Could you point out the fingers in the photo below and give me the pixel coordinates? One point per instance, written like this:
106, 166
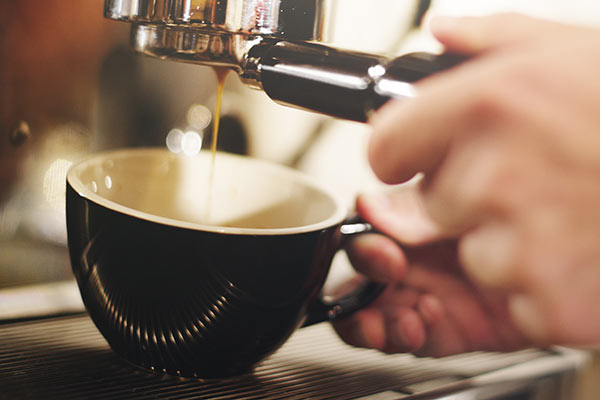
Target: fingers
398, 148
405, 331
400, 214
482, 176
365, 328
443, 336
416, 135
424, 328
377, 257
529, 316
488, 255
473, 35
432, 314
396, 328
413, 136
465, 314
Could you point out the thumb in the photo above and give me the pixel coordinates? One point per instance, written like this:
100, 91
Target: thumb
472, 35
399, 214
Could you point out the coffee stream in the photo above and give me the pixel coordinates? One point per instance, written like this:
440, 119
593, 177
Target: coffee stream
221, 73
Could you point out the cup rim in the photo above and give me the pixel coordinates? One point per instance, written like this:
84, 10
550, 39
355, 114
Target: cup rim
73, 180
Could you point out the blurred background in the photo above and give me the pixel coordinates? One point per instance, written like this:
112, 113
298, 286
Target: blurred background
69, 86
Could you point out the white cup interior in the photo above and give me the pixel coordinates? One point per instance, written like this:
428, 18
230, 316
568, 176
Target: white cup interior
245, 194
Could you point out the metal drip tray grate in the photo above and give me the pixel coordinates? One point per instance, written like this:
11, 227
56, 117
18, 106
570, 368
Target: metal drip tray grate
66, 358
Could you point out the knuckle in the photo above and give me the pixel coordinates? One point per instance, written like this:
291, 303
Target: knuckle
492, 101
492, 190
491, 256
386, 168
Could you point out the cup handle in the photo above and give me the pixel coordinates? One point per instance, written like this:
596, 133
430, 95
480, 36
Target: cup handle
321, 310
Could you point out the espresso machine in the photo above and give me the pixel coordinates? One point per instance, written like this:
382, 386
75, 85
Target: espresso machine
276, 46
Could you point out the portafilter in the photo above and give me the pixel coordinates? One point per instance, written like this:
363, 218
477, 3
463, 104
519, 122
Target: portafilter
274, 45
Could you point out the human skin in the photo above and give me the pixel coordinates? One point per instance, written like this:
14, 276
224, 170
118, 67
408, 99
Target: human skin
508, 147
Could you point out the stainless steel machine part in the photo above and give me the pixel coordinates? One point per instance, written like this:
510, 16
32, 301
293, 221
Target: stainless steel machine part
273, 46
67, 358
215, 32
286, 19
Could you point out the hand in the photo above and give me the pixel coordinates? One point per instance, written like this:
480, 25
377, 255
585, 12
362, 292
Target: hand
430, 307
509, 147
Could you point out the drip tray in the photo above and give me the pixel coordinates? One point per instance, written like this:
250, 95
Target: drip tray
66, 358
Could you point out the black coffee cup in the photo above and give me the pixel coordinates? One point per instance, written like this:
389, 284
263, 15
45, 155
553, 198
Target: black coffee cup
202, 282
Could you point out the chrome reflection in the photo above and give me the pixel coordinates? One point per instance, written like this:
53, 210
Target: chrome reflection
154, 331
108, 182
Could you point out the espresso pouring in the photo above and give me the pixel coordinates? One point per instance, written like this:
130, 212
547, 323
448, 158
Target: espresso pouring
221, 73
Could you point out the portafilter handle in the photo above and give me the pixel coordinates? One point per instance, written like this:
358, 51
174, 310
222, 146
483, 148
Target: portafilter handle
343, 84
